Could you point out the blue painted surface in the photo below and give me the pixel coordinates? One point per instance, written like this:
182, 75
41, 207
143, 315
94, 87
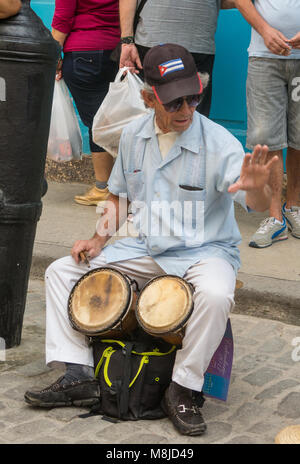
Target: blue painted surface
230, 73
45, 10
230, 70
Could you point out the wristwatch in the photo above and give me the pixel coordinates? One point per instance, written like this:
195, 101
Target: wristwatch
127, 40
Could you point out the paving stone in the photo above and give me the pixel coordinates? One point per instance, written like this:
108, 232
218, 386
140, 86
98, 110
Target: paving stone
68, 414
218, 431
21, 414
260, 427
244, 440
214, 408
123, 429
264, 395
246, 413
273, 345
77, 428
47, 440
33, 369
262, 376
262, 332
276, 389
144, 438
29, 430
290, 406
251, 361
286, 359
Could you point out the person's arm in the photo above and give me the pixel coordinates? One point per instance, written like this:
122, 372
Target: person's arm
9, 8
254, 177
115, 214
227, 4
274, 40
129, 54
59, 36
62, 25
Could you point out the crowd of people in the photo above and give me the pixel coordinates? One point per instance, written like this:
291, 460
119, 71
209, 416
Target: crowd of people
176, 154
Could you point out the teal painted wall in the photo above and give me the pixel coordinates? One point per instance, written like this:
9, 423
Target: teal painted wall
45, 10
230, 71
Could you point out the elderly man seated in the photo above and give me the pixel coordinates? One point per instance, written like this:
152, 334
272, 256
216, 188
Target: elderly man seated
173, 154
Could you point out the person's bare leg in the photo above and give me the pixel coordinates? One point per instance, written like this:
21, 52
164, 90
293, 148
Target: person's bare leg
293, 178
102, 163
276, 181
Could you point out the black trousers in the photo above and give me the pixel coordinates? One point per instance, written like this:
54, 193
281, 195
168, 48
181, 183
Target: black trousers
87, 75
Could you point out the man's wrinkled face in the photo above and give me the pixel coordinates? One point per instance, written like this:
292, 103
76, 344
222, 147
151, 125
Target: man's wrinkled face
177, 121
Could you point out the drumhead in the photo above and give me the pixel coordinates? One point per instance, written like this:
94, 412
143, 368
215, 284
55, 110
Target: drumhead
164, 304
99, 300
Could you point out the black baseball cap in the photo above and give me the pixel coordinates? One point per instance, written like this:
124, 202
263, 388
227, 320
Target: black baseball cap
171, 71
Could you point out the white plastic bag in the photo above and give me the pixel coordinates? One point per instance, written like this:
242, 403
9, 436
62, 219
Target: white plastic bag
65, 141
122, 104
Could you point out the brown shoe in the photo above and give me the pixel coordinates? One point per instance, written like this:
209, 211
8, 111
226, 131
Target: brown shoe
183, 408
92, 197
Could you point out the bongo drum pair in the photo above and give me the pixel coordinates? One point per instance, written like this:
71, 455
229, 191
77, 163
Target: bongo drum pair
107, 303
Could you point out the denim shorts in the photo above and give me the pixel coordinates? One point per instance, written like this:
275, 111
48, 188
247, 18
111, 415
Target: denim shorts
273, 103
87, 75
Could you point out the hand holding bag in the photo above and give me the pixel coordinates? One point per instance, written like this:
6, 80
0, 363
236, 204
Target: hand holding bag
122, 104
65, 141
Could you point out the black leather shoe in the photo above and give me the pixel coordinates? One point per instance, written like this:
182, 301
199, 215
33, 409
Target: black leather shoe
183, 408
77, 393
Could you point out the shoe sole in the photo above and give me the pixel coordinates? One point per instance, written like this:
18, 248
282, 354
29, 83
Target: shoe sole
89, 203
182, 429
79, 403
294, 235
254, 245
86, 203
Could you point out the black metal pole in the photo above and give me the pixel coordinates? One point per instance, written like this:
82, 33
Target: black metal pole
28, 56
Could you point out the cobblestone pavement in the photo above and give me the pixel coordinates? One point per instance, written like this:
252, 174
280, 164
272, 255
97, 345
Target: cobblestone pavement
264, 395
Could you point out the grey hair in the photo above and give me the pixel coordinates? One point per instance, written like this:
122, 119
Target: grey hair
148, 88
204, 79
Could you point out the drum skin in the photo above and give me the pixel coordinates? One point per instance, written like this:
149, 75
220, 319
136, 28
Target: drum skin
164, 306
102, 303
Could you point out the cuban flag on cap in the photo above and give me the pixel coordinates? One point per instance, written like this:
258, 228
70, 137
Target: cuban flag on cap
170, 66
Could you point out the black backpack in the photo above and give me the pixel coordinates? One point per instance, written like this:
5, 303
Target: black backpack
133, 376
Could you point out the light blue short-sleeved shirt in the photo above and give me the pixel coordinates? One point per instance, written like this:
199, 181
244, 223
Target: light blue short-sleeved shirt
182, 210
283, 15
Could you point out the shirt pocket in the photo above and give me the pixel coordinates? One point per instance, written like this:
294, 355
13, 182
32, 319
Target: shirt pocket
135, 185
192, 200
189, 193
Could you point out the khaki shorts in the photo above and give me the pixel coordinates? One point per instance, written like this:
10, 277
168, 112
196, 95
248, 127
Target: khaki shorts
273, 103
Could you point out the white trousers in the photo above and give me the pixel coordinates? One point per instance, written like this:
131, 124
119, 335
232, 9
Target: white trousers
214, 283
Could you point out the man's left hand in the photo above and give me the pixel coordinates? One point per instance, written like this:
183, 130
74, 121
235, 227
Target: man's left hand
255, 170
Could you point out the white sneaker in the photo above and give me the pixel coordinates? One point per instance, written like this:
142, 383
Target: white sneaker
269, 231
292, 217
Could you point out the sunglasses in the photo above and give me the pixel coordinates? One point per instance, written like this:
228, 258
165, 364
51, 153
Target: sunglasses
175, 105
